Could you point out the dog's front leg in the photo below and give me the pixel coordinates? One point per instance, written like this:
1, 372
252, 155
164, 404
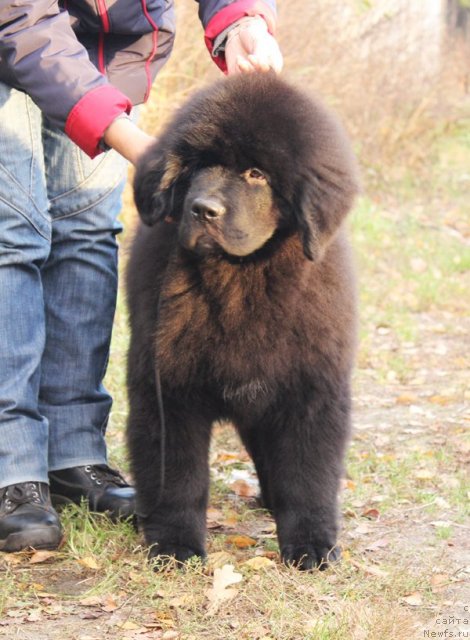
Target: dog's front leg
171, 473
305, 452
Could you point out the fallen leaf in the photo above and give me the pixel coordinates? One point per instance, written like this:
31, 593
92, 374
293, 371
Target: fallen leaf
135, 576
128, 625
91, 601
34, 616
164, 619
15, 613
181, 601
413, 599
441, 400
243, 489
259, 562
438, 582
371, 514
230, 523
269, 527
241, 542
170, 635
369, 569
418, 265
223, 578
227, 457
378, 544
109, 604
13, 558
406, 399
424, 474
441, 523
42, 556
214, 517
89, 563
217, 560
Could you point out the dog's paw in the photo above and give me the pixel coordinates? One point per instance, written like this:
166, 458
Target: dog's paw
309, 556
163, 556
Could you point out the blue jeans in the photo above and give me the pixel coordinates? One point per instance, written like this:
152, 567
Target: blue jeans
58, 284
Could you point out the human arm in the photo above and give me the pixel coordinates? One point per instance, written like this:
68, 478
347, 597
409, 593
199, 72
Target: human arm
40, 55
246, 28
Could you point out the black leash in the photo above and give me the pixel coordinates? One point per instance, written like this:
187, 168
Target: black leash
161, 415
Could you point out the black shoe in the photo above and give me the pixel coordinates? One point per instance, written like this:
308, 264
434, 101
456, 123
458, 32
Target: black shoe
104, 489
27, 518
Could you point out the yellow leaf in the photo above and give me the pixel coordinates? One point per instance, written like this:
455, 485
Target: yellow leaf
241, 542
164, 619
128, 625
230, 523
227, 456
183, 600
259, 562
406, 399
89, 563
424, 474
442, 400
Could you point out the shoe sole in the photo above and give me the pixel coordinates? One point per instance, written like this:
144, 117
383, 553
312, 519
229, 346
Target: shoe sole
49, 538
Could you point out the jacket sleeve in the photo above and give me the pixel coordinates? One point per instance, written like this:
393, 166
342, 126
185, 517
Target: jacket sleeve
40, 55
217, 15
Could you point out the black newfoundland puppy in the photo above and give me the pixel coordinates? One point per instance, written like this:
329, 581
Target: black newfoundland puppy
242, 307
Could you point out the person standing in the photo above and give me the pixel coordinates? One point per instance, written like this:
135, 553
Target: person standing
71, 73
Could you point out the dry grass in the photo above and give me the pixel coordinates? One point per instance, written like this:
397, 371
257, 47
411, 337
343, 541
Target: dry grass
392, 97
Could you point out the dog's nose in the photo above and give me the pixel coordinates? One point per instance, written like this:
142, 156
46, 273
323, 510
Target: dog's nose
207, 209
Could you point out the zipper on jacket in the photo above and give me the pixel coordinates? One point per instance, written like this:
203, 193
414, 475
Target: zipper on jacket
103, 13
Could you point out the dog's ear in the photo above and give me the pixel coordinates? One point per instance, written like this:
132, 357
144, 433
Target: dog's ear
325, 194
155, 177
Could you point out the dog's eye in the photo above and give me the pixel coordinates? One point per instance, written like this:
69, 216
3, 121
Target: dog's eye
254, 175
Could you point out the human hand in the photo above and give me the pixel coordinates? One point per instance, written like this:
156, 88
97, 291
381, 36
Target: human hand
125, 137
250, 47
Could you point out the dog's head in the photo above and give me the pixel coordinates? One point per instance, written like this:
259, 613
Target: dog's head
244, 160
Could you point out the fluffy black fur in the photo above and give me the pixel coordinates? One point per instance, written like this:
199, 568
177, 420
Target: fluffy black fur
242, 294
